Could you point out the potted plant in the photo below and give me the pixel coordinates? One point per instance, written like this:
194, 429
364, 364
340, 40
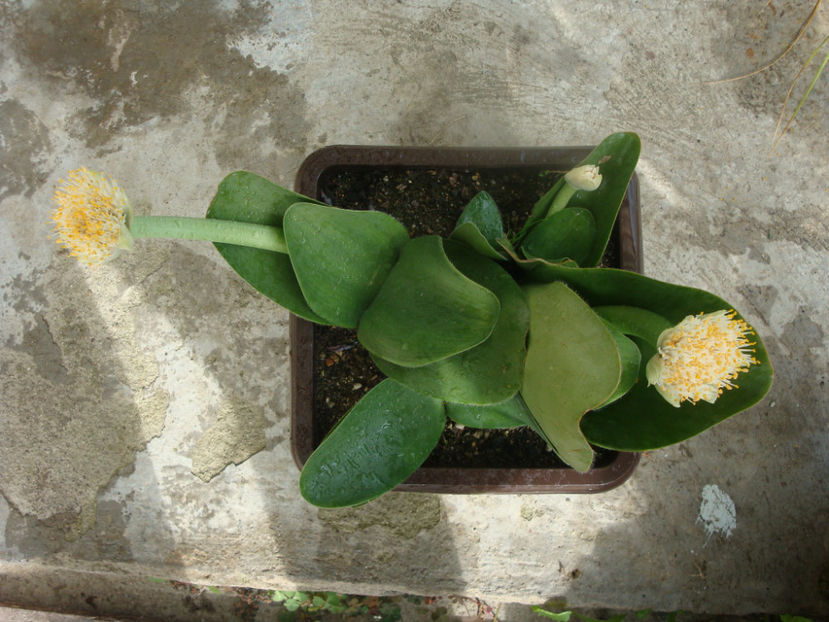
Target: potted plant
426, 189
488, 327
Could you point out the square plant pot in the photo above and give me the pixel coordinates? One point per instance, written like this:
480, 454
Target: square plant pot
426, 189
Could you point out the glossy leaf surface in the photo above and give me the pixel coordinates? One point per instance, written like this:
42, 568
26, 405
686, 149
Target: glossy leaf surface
246, 197
635, 321
642, 419
426, 310
378, 444
489, 372
630, 358
616, 157
341, 257
480, 226
567, 234
472, 236
508, 414
572, 365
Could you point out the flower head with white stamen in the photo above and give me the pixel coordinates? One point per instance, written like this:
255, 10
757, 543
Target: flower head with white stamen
91, 216
701, 357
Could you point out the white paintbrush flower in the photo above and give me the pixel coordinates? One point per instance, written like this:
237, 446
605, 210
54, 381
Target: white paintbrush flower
91, 216
700, 357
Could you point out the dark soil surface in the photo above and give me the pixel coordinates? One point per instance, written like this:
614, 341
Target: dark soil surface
428, 201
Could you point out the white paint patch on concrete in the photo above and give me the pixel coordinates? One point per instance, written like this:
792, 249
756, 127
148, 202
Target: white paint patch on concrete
280, 44
717, 512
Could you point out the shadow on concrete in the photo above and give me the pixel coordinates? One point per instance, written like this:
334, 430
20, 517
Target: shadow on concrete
399, 542
666, 553
80, 402
247, 522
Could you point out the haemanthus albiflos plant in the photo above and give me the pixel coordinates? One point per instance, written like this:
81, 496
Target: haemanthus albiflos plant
488, 327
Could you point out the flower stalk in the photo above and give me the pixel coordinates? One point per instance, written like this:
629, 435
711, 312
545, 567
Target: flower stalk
94, 220
585, 178
254, 235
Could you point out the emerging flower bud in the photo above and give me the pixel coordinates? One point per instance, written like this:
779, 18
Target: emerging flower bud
585, 177
91, 216
700, 357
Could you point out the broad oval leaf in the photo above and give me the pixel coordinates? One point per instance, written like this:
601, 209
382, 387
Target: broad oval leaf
616, 157
480, 226
572, 366
246, 197
511, 413
567, 234
470, 234
378, 444
426, 309
483, 212
642, 419
634, 321
630, 358
341, 257
489, 372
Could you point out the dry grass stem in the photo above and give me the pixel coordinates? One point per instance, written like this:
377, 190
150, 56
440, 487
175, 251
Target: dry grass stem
777, 132
797, 37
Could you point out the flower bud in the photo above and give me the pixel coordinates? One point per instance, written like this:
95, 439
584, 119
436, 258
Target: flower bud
585, 177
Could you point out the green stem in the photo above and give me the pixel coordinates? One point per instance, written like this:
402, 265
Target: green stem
540, 210
211, 229
560, 202
542, 206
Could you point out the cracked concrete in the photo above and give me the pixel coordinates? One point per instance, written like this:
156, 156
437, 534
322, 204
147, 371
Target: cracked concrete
123, 388
237, 434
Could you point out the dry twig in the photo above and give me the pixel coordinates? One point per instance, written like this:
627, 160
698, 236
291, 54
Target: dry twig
797, 37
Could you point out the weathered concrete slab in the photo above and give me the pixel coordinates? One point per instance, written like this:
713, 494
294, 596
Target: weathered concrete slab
121, 386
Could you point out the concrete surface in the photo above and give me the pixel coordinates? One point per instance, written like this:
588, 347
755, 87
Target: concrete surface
21, 615
116, 382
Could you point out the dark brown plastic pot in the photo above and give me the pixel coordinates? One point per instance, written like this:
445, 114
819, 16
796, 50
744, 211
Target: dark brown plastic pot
458, 480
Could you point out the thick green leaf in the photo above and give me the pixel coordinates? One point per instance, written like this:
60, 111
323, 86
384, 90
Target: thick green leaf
426, 310
572, 365
630, 358
471, 235
489, 372
508, 414
635, 321
483, 212
341, 257
616, 157
542, 206
642, 419
377, 445
480, 226
567, 234
246, 197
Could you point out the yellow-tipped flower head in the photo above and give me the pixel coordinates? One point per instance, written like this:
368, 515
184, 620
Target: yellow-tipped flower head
700, 357
92, 216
